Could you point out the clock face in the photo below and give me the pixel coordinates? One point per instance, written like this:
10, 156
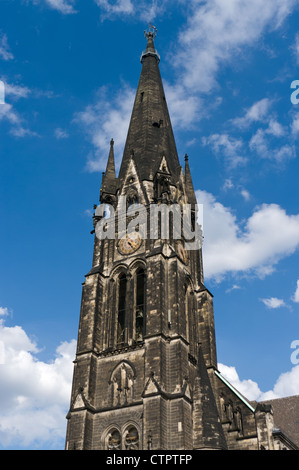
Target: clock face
181, 252
130, 243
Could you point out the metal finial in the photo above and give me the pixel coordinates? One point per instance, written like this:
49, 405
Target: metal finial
151, 33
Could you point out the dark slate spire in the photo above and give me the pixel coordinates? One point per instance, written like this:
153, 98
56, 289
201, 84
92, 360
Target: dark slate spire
188, 183
150, 133
109, 177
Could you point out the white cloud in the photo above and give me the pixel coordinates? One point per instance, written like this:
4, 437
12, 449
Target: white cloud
260, 112
4, 48
286, 385
118, 7
265, 140
248, 388
254, 246
16, 91
246, 194
60, 134
257, 112
275, 129
219, 30
33, 391
145, 10
3, 311
184, 108
273, 302
231, 289
9, 114
296, 48
261, 145
296, 295
106, 119
231, 148
65, 7
295, 125
228, 184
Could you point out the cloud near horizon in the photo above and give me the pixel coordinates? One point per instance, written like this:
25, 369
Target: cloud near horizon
39, 392
32, 391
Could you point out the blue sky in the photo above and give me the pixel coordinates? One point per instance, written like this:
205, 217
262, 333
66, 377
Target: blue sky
70, 70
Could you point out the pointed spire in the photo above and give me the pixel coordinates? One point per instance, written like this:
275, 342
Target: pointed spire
188, 183
150, 132
109, 177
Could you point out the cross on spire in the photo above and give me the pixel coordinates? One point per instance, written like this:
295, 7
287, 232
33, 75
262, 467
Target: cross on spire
151, 33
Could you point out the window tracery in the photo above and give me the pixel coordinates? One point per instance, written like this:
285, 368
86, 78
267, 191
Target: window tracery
114, 440
129, 439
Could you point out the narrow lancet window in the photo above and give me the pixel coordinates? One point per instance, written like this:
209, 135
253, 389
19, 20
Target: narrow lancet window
121, 318
140, 304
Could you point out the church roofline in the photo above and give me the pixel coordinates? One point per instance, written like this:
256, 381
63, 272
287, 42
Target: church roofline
238, 394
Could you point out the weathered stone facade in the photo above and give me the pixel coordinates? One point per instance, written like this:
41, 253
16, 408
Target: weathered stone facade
145, 374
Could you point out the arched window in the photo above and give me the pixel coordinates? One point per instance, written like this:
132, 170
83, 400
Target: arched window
125, 440
140, 304
187, 310
131, 439
121, 313
114, 440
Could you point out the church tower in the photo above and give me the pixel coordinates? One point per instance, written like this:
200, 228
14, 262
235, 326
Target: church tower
145, 373
146, 334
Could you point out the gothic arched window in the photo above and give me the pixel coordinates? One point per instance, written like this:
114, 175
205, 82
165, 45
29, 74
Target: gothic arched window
125, 440
140, 304
121, 312
114, 440
188, 308
131, 439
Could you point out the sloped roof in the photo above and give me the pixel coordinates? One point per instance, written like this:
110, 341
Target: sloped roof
286, 416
